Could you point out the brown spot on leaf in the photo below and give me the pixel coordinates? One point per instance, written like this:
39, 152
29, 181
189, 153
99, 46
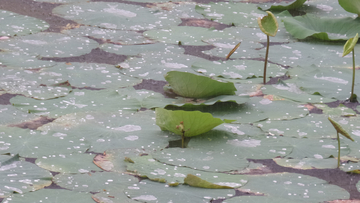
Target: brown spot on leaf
202, 23
33, 124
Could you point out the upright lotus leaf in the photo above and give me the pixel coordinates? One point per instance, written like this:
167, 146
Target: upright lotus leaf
340, 130
322, 28
194, 122
349, 47
195, 86
352, 6
268, 24
195, 181
19, 176
284, 6
350, 44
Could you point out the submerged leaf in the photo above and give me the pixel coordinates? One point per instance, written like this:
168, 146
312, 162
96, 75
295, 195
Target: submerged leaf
196, 86
195, 181
339, 129
268, 24
193, 122
350, 44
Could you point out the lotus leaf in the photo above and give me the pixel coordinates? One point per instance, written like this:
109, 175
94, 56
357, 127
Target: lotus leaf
118, 16
209, 160
47, 44
237, 69
195, 181
40, 84
146, 166
292, 92
195, 86
148, 191
341, 110
260, 198
18, 176
239, 14
350, 6
50, 195
32, 144
268, 24
186, 35
325, 8
308, 25
92, 75
339, 129
81, 100
13, 24
69, 163
95, 182
284, 6
295, 187
307, 163
29, 61
154, 65
11, 115
194, 122
62, 1
132, 50
350, 44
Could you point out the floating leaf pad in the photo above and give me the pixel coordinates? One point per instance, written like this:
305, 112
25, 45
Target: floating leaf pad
206, 160
186, 35
28, 60
21, 177
50, 195
78, 101
307, 163
283, 6
195, 86
148, 191
194, 122
295, 187
50, 44
69, 163
11, 115
237, 69
322, 28
95, 182
240, 14
116, 15
146, 166
13, 24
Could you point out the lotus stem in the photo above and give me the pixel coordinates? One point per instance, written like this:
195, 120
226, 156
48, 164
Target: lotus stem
266, 57
183, 140
352, 97
338, 139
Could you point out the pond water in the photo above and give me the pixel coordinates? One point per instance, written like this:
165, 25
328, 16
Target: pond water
80, 82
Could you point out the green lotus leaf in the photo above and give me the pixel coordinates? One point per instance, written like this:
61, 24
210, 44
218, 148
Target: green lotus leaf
118, 16
329, 29
340, 110
18, 176
194, 122
49, 44
294, 187
195, 181
68, 163
239, 14
339, 129
146, 166
350, 44
268, 24
351, 6
284, 6
151, 192
307, 163
11, 115
50, 195
13, 24
95, 182
196, 86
